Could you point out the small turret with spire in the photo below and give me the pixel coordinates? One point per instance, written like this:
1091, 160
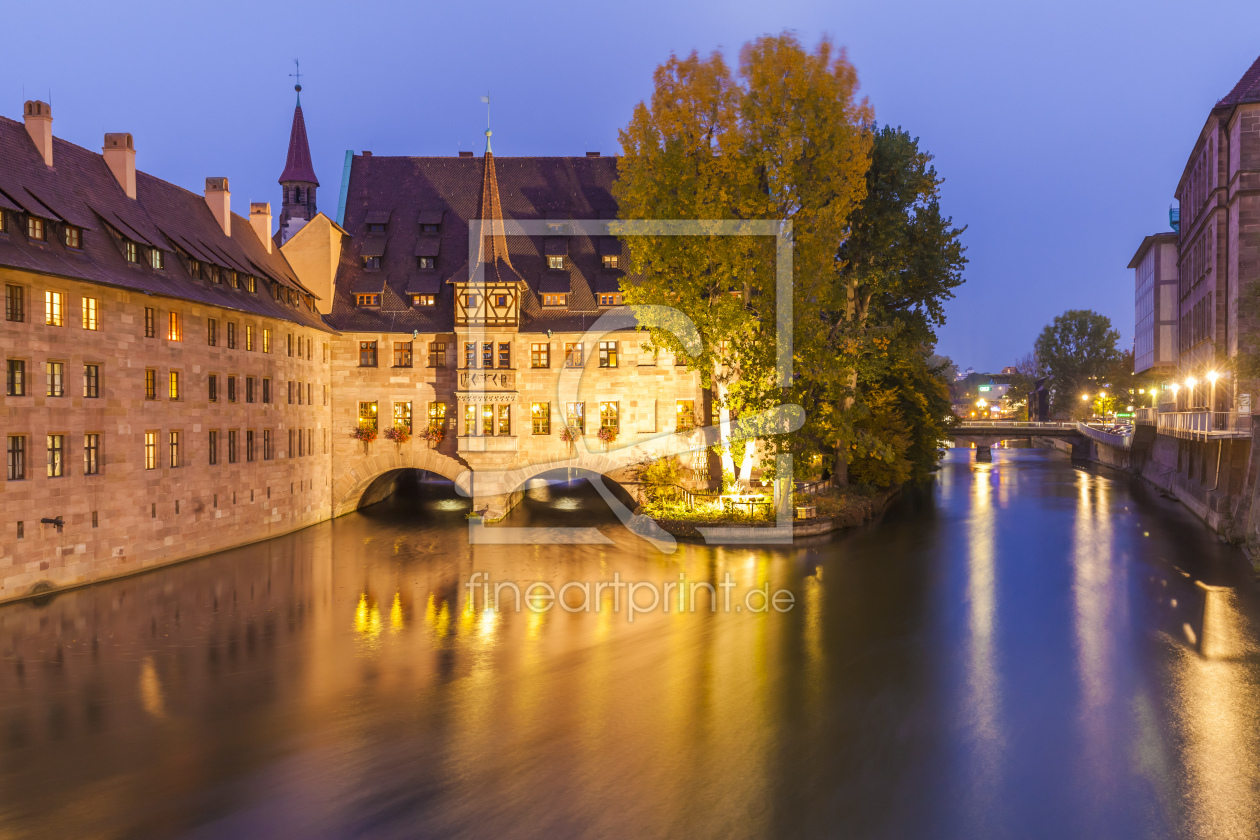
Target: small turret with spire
298, 182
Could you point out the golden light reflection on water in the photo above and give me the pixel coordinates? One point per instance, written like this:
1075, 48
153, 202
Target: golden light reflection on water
151, 696
367, 620
984, 697
1096, 581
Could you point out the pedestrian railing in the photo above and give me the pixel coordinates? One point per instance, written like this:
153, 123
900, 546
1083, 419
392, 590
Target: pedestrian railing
1120, 437
1201, 425
1013, 424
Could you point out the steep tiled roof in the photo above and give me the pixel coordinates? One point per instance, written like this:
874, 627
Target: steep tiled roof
416, 190
1247, 89
79, 189
297, 166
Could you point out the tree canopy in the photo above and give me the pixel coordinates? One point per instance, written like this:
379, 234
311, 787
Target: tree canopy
1078, 349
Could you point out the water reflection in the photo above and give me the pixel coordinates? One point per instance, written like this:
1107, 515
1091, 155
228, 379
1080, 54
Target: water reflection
1005, 655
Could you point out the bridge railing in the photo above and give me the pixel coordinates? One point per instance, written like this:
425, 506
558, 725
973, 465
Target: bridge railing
1119, 439
1013, 424
1201, 425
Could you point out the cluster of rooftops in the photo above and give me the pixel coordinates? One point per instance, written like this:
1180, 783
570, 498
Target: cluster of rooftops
407, 220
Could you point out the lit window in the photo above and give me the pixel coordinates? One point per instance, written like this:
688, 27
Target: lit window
555, 262
266, 341
249, 336
73, 237
92, 454
194, 268
470, 418
35, 228
608, 354
540, 417
505, 419
555, 300
174, 389
608, 416
56, 456
89, 313
150, 450
425, 262
437, 416
487, 419
685, 415
156, 258
132, 251
423, 300
174, 449
402, 415
540, 355
15, 380
367, 415
575, 416
174, 328
610, 299
54, 309
573, 355
250, 283
150, 384
367, 300
611, 261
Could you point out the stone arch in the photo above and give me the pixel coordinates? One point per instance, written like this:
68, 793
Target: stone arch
349, 487
616, 469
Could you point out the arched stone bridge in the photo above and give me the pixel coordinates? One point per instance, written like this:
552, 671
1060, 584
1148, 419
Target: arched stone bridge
985, 433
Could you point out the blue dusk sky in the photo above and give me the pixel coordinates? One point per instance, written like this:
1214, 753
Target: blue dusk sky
1061, 128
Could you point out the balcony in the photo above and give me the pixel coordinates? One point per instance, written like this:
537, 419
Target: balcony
1204, 425
487, 443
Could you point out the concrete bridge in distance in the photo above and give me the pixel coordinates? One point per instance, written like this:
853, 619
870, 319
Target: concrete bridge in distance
985, 433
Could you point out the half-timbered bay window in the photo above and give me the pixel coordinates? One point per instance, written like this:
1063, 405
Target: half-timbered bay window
470, 419
470, 354
487, 355
487, 419
367, 354
540, 417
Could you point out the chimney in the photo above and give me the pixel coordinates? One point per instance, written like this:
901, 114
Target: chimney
120, 157
466, 153
38, 117
260, 221
592, 154
219, 198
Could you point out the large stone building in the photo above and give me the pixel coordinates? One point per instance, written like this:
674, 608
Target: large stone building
1197, 307
180, 379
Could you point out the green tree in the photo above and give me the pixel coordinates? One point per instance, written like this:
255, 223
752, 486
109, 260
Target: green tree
785, 139
1079, 350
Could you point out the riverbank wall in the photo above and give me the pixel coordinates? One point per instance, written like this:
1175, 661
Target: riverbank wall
860, 511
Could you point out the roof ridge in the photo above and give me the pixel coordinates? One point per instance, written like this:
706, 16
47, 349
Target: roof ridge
1247, 89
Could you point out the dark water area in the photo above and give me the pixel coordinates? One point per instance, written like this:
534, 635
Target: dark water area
1024, 649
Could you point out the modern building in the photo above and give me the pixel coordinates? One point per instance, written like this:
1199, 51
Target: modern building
182, 379
1156, 304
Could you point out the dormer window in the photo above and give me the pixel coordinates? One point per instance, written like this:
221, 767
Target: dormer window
426, 263
555, 262
132, 251
234, 280
157, 259
424, 300
367, 300
194, 268
555, 300
430, 228
610, 299
73, 237
2, 220
250, 283
612, 261
35, 229
376, 228
372, 263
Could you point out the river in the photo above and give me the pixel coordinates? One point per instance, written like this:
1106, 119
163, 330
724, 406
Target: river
1023, 649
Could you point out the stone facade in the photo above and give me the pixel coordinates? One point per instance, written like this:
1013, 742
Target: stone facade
127, 517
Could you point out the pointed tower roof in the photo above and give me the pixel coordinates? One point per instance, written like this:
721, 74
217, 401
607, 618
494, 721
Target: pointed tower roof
494, 251
1247, 89
297, 166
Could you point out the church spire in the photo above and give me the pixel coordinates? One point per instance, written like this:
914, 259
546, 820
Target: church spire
494, 250
298, 183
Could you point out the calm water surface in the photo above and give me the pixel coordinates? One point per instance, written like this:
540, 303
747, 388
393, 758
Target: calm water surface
1024, 650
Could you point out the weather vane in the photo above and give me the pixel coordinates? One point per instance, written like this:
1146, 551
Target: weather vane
486, 99
297, 74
